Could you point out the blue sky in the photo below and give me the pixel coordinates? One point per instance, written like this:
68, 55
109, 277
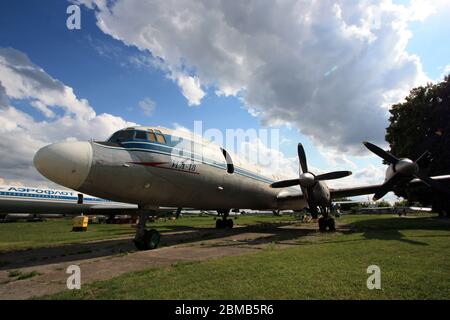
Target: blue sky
109, 80
100, 69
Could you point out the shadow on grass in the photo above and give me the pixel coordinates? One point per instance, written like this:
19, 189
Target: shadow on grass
171, 235
390, 228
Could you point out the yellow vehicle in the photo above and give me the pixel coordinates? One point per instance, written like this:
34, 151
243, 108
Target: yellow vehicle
80, 223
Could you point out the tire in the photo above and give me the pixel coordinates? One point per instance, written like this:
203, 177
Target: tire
139, 244
331, 224
229, 223
152, 238
219, 224
149, 241
322, 224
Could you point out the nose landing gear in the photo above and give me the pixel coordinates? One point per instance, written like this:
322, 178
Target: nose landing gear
224, 222
325, 221
145, 239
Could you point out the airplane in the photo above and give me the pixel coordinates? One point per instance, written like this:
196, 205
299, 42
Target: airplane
44, 201
403, 171
155, 167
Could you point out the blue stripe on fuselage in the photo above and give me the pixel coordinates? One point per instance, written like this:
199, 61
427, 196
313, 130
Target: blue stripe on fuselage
168, 150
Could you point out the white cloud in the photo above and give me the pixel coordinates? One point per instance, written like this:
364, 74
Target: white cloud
147, 106
4, 101
336, 159
267, 160
24, 80
43, 108
191, 89
419, 10
361, 177
327, 67
445, 72
22, 135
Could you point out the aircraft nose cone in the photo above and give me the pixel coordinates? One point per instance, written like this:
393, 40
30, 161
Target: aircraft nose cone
66, 163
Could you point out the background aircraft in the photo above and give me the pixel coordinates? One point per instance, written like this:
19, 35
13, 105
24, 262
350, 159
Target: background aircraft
21, 200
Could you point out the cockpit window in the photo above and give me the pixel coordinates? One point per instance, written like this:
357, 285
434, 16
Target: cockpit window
141, 135
121, 136
127, 135
151, 137
160, 138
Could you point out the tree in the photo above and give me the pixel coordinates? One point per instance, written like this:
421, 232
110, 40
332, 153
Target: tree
420, 124
382, 204
402, 203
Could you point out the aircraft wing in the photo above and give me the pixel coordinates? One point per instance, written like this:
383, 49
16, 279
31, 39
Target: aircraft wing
288, 200
291, 198
437, 178
358, 191
354, 191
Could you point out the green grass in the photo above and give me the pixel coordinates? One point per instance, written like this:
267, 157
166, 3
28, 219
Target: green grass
411, 252
14, 273
27, 235
20, 275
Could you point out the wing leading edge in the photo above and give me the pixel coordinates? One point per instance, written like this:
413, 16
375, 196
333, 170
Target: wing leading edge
286, 200
371, 189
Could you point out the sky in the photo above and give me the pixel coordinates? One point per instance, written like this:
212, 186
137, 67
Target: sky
323, 73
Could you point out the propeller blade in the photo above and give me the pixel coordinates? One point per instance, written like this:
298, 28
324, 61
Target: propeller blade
386, 187
381, 153
433, 184
308, 193
285, 183
425, 158
302, 158
380, 193
333, 175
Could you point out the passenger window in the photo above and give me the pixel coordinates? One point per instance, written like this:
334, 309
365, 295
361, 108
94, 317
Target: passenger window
151, 137
142, 135
160, 138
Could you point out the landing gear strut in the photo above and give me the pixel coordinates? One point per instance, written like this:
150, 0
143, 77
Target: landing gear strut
325, 221
145, 239
224, 223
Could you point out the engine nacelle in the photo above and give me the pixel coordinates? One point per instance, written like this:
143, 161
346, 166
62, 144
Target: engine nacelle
406, 167
321, 194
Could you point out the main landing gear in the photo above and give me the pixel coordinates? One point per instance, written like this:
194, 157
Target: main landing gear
145, 239
325, 221
224, 222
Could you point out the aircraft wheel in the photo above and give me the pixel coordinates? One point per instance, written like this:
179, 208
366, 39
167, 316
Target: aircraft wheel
322, 224
331, 224
219, 224
149, 241
229, 223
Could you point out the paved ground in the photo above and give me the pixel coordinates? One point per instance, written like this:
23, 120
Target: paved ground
101, 260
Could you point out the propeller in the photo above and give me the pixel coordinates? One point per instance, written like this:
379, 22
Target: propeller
307, 180
404, 166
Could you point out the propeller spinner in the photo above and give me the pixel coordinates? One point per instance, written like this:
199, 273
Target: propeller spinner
307, 180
